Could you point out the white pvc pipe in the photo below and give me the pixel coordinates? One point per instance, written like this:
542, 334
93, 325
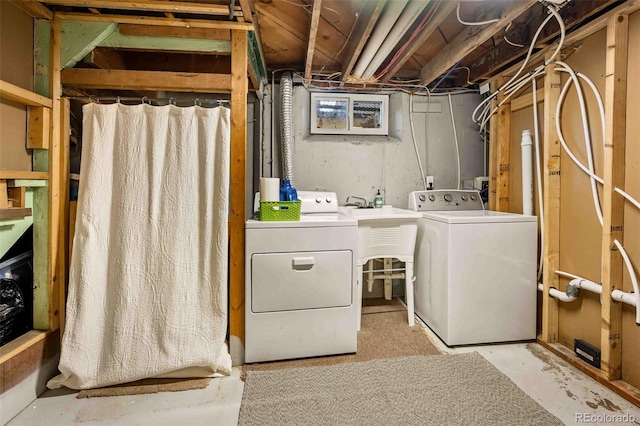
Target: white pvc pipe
536, 134
527, 173
380, 33
404, 23
632, 274
557, 294
455, 137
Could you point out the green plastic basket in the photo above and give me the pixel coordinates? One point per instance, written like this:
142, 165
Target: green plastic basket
279, 211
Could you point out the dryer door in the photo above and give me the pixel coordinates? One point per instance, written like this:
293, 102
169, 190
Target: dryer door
300, 280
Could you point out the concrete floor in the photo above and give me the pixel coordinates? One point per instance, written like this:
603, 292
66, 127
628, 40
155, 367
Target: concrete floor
560, 388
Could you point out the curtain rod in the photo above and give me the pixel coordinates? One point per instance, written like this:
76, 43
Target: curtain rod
146, 99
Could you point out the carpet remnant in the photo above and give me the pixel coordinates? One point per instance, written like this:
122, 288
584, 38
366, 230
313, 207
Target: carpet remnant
460, 389
384, 333
146, 386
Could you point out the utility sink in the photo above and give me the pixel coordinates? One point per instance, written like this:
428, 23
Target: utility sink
388, 215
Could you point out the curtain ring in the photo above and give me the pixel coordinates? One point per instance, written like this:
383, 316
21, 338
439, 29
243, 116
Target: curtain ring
143, 100
118, 99
196, 102
93, 99
172, 101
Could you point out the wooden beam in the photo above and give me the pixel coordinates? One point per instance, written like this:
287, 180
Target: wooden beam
444, 9
162, 22
55, 180
34, 8
493, 154
612, 203
22, 96
237, 195
526, 100
94, 10
573, 13
503, 151
39, 120
20, 344
366, 23
181, 32
105, 59
80, 38
15, 174
147, 80
63, 223
469, 40
170, 44
149, 5
313, 32
247, 10
551, 197
14, 212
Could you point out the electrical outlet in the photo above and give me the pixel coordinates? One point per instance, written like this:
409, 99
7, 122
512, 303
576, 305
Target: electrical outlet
430, 183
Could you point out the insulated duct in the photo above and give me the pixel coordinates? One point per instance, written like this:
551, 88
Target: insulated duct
286, 125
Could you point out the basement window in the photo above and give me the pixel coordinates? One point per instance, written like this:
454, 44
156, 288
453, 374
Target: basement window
349, 114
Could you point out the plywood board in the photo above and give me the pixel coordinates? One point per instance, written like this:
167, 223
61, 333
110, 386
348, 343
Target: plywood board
631, 331
580, 230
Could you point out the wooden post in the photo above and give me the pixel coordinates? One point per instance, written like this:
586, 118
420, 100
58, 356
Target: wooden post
54, 179
613, 204
551, 185
493, 154
238, 173
63, 223
503, 138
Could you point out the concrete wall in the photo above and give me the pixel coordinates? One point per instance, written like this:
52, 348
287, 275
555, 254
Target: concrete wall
360, 165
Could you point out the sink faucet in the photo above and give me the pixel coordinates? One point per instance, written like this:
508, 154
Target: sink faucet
360, 201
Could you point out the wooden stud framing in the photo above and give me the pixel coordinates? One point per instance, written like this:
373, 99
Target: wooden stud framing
551, 197
34, 8
19, 174
313, 31
150, 5
23, 96
526, 100
238, 176
493, 154
55, 180
180, 32
63, 223
38, 127
146, 80
163, 22
503, 139
613, 204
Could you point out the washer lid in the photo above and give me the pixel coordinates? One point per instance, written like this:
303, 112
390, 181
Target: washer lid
306, 221
477, 216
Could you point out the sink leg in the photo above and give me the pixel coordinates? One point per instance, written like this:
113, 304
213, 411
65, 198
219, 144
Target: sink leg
388, 282
409, 291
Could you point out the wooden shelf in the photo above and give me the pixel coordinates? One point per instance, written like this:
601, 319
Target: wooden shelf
15, 212
16, 174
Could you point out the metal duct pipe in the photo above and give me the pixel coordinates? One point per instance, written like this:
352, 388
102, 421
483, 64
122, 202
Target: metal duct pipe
286, 125
409, 15
389, 17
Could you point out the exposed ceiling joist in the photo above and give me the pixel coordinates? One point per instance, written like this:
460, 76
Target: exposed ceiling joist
366, 22
166, 22
467, 41
80, 38
149, 5
33, 8
505, 53
247, 10
179, 32
170, 44
105, 58
146, 80
444, 8
313, 31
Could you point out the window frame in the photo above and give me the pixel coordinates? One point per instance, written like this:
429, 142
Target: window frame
351, 99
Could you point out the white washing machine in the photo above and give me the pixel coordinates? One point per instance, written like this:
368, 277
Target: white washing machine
300, 283
475, 269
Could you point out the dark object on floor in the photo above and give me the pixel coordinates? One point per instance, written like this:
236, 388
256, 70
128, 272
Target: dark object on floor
12, 312
420, 390
147, 386
587, 352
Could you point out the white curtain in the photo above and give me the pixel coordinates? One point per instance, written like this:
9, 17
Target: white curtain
148, 276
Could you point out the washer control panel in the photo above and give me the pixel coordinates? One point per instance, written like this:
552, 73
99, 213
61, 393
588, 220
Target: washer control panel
445, 200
